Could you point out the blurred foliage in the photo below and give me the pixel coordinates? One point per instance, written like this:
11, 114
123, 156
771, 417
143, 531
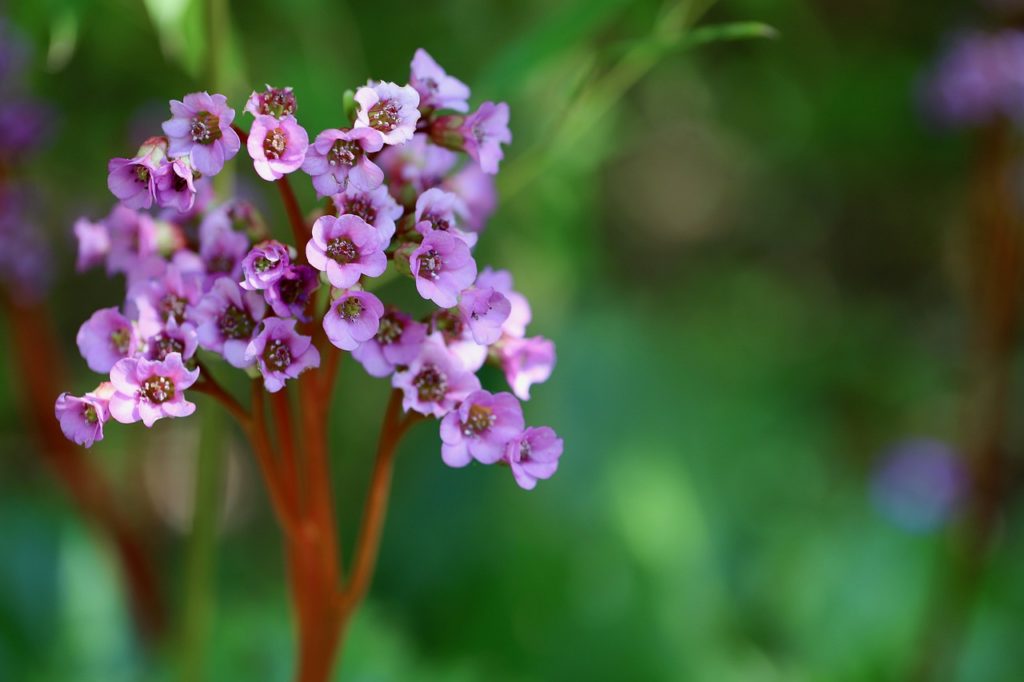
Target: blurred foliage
748, 256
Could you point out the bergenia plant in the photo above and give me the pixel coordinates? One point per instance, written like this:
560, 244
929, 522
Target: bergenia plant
405, 181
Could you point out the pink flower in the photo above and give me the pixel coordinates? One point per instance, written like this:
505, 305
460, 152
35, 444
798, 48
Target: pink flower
519, 314
458, 338
437, 89
82, 419
276, 102
277, 146
534, 455
480, 428
476, 189
352, 319
435, 382
105, 338
200, 128
338, 158
484, 131
484, 310
290, 293
281, 353
148, 390
526, 362
173, 338
389, 109
396, 343
221, 248
444, 211
443, 267
175, 186
345, 248
165, 297
226, 319
133, 181
415, 166
376, 207
133, 238
264, 264
93, 244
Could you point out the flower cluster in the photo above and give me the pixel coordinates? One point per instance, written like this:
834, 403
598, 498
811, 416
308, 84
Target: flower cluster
398, 199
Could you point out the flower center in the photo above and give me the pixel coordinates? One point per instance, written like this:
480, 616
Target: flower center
274, 143
342, 250
384, 116
525, 450
141, 174
449, 324
178, 183
277, 102
161, 345
291, 290
436, 221
351, 308
205, 128
90, 414
121, 338
277, 356
389, 331
158, 389
360, 205
431, 385
479, 420
235, 323
262, 264
173, 306
430, 264
344, 153
221, 263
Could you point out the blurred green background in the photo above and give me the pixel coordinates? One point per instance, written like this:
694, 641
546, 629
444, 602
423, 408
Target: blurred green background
748, 258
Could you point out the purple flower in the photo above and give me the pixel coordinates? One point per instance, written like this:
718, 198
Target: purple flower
105, 338
175, 186
133, 238
526, 362
979, 78
483, 133
353, 318
281, 353
93, 244
82, 419
484, 311
264, 264
376, 207
226, 319
919, 483
437, 89
480, 428
520, 313
443, 267
435, 381
345, 248
148, 390
277, 146
200, 128
173, 338
339, 157
534, 455
457, 336
166, 297
221, 248
276, 102
290, 293
389, 109
476, 189
396, 343
133, 181
415, 166
437, 209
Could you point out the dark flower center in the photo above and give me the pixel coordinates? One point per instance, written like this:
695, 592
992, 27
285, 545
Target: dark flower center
221, 263
351, 308
274, 143
173, 306
277, 356
158, 389
342, 250
235, 323
277, 102
178, 183
449, 324
384, 116
90, 414
361, 205
262, 264
525, 450
205, 128
141, 174
479, 420
430, 264
292, 290
436, 221
161, 345
431, 385
344, 153
389, 331
121, 338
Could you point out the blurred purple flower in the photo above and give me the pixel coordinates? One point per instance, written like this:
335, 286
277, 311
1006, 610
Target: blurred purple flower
919, 483
978, 78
